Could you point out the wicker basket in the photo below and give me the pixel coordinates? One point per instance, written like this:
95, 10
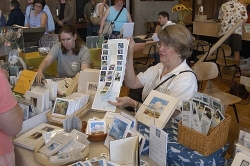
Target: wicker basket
80, 113
44, 160
206, 145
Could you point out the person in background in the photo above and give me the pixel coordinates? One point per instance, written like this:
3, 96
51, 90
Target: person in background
175, 46
51, 25
71, 54
16, 16
100, 9
248, 12
92, 30
37, 17
163, 19
11, 119
110, 15
2, 19
230, 13
63, 14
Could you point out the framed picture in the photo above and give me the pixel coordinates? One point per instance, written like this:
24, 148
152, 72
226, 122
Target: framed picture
61, 107
97, 127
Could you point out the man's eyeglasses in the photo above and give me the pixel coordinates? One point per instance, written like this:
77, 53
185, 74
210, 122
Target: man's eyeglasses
160, 43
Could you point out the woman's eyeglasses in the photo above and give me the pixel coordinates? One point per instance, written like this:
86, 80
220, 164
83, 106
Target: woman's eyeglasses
160, 43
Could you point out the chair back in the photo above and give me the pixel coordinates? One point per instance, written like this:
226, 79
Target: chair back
223, 51
150, 48
202, 45
205, 70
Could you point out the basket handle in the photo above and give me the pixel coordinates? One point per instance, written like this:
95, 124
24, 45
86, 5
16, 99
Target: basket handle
200, 10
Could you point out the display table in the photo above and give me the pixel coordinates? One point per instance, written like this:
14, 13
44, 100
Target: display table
212, 29
178, 154
25, 157
34, 59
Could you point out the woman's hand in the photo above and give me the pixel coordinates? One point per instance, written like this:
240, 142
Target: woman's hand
124, 102
39, 77
131, 46
100, 31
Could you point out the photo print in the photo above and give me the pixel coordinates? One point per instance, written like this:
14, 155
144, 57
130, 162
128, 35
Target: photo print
120, 51
112, 67
119, 68
34, 101
102, 76
156, 107
105, 52
119, 62
119, 57
105, 46
216, 105
104, 57
120, 45
104, 67
158, 133
61, 107
108, 84
117, 76
53, 146
48, 129
91, 87
109, 77
104, 63
103, 92
35, 136
97, 127
118, 129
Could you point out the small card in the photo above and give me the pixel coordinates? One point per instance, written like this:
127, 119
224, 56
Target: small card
206, 119
196, 125
217, 118
186, 113
158, 145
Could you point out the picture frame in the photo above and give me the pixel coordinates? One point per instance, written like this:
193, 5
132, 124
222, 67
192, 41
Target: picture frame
61, 107
120, 127
97, 127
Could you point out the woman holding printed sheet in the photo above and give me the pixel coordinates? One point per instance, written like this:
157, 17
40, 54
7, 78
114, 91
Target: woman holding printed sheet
110, 15
175, 46
71, 54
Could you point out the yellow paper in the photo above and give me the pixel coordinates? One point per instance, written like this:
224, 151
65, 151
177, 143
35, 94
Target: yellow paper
25, 81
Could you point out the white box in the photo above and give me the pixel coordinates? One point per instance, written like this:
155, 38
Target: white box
33, 122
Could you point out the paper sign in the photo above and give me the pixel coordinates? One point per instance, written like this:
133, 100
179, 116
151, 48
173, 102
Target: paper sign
25, 81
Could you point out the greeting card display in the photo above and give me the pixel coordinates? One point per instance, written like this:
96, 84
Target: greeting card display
31, 138
157, 109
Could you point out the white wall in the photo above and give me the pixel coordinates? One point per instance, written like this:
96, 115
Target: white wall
147, 11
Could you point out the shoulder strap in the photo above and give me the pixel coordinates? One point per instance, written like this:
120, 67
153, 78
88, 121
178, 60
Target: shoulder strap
118, 14
174, 76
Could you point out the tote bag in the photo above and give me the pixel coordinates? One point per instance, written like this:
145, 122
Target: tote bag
108, 28
95, 20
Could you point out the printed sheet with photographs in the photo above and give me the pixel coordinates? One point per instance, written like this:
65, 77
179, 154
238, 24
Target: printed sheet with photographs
111, 75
